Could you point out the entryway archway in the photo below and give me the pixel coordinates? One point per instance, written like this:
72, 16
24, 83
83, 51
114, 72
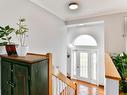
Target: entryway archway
84, 58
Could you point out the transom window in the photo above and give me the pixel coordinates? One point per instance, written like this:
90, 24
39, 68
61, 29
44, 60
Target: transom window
85, 40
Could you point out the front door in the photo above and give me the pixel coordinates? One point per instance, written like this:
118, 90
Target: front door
86, 65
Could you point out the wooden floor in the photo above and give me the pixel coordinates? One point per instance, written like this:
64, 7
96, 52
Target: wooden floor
121, 93
89, 89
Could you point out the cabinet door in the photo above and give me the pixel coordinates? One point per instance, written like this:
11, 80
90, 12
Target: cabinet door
5, 78
20, 80
39, 78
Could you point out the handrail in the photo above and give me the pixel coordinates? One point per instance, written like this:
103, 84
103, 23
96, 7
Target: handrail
64, 79
53, 72
110, 69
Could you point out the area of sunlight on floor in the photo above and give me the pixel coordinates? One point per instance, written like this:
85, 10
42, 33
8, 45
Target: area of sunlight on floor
84, 90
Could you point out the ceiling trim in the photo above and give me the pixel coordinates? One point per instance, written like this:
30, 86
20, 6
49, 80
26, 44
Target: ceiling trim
37, 2
104, 13
86, 24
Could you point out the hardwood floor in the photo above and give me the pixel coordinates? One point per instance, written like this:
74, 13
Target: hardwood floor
89, 89
121, 93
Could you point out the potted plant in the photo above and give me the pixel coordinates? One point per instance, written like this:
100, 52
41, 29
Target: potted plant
21, 31
120, 62
2, 44
5, 36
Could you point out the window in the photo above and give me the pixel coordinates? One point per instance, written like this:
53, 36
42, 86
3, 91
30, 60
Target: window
94, 64
84, 64
85, 40
74, 65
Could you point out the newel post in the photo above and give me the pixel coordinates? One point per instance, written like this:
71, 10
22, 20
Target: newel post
49, 56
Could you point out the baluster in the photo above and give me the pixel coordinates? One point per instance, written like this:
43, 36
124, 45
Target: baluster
62, 87
69, 91
53, 84
56, 86
59, 87
66, 89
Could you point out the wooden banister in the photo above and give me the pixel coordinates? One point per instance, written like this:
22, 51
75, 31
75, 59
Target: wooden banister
53, 72
64, 79
110, 69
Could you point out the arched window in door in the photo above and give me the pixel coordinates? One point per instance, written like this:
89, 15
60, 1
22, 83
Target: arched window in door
85, 40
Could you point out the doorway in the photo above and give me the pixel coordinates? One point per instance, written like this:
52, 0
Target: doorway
87, 38
85, 65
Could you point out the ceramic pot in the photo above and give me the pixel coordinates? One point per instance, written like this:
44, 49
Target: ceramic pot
22, 50
11, 50
2, 50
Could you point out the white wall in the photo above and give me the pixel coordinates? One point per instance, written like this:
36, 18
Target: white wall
114, 29
112, 87
97, 31
47, 33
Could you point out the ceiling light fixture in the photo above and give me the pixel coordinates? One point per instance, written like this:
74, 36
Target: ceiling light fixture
73, 6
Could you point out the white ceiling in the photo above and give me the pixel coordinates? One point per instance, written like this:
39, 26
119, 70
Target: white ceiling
88, 8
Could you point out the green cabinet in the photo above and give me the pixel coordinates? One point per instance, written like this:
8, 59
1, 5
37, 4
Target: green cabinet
20, 80
5, 78
24, 76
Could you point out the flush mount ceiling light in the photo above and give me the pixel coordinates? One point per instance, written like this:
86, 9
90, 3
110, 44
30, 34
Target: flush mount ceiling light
73, 6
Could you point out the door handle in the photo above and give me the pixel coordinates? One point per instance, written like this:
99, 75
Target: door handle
11, 84
77, 66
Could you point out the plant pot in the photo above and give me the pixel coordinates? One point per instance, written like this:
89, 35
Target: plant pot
2, 50
11, 50
22, 50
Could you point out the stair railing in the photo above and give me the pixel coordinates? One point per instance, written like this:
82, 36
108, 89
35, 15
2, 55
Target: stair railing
62, 85
58, 83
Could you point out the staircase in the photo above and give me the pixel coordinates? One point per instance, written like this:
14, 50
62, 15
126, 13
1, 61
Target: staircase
62, 85
58, 83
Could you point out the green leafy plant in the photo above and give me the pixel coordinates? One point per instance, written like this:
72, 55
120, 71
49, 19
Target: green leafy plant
120, 62
5, 36
21, 31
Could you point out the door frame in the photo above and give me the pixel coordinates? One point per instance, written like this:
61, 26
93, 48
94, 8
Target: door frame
90, 51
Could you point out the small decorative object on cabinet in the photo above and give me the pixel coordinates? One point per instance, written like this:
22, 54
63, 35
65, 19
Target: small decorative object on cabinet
2, 49
22, 49
29, 75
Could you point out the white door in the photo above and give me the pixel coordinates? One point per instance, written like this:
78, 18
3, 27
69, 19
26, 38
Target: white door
85, 65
